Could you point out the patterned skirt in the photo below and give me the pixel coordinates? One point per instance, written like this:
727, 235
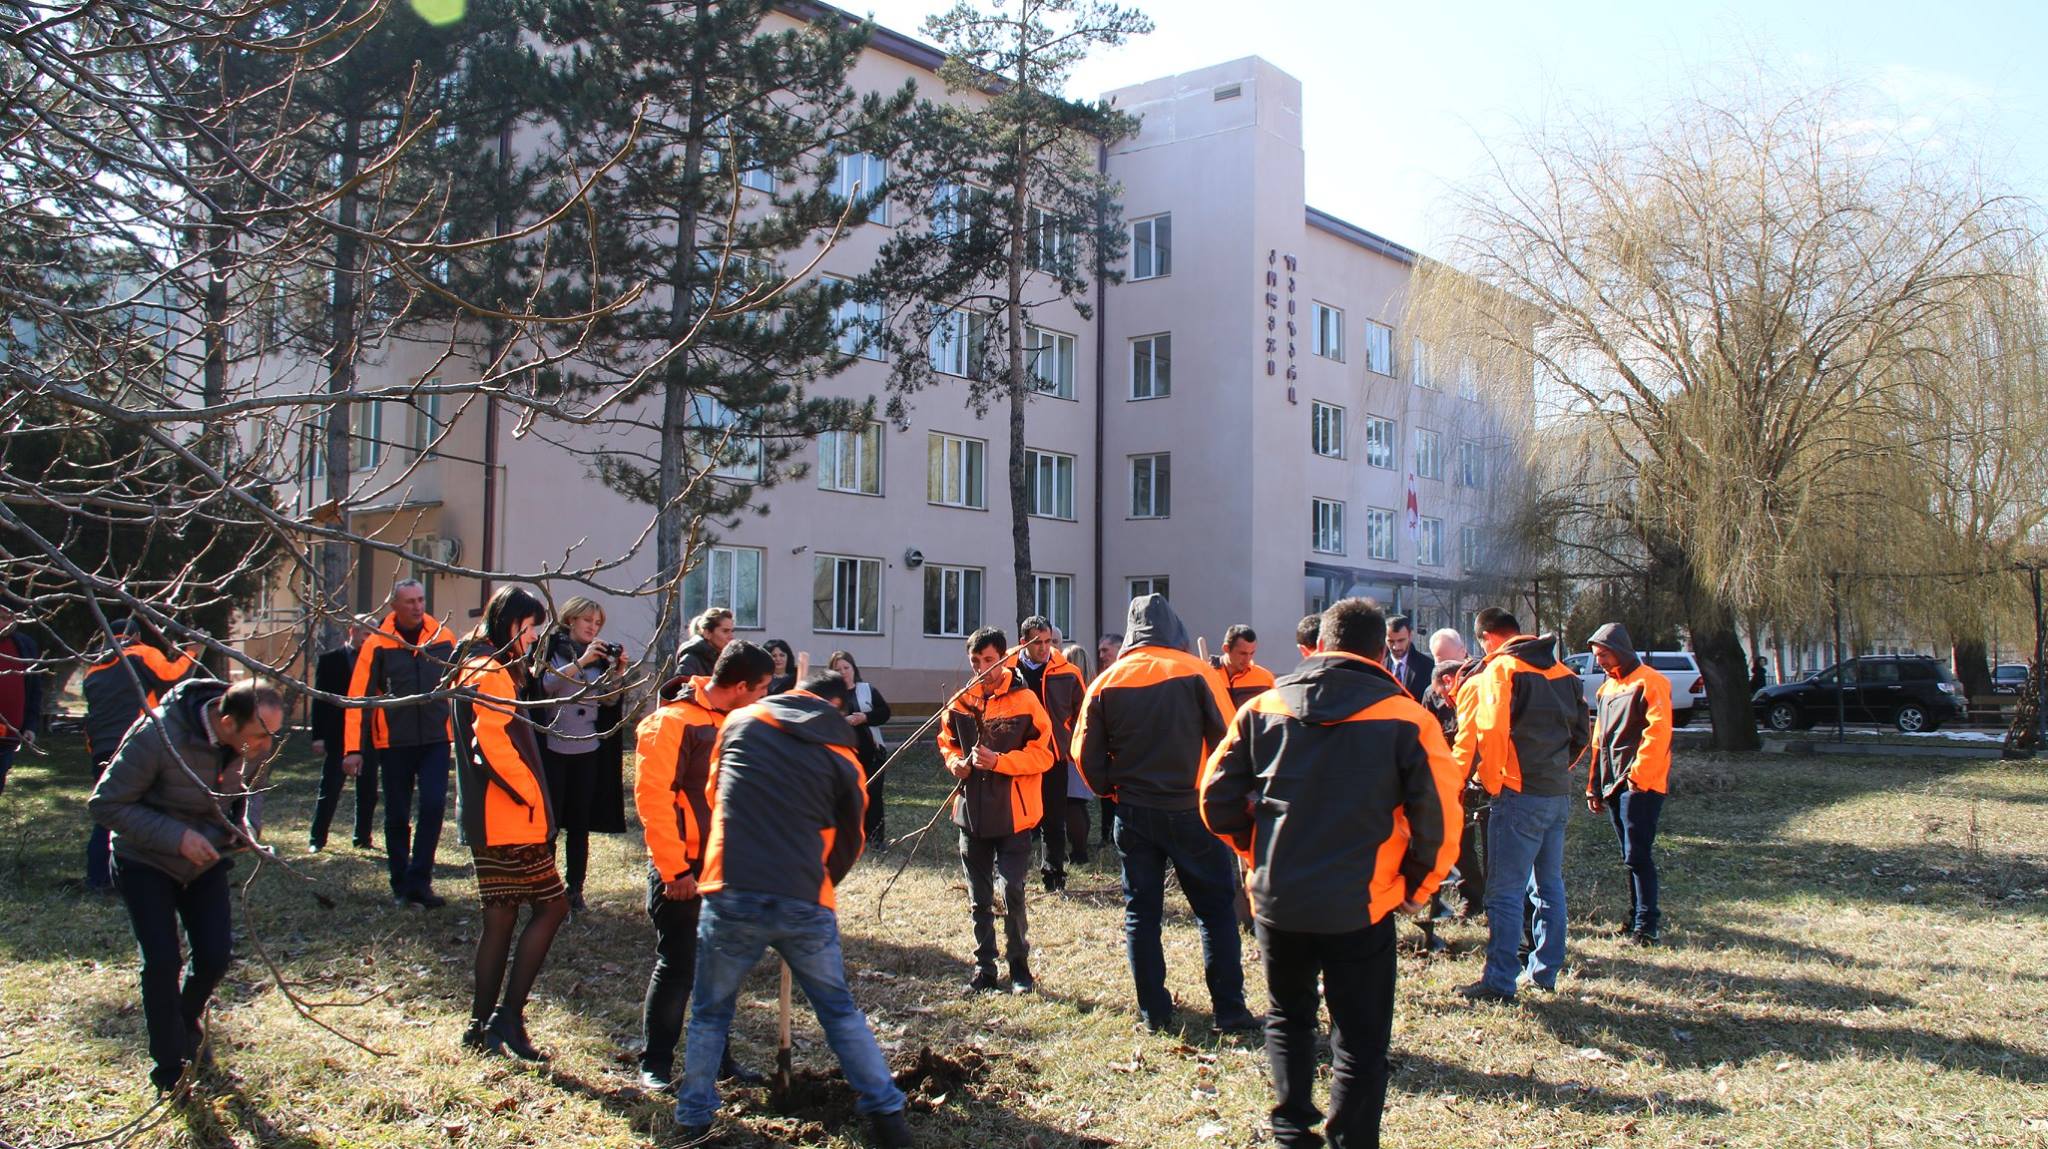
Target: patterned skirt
510, 875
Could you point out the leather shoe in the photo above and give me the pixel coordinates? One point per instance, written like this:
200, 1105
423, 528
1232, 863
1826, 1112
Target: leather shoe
892, 1130
506, 1033
477, 1036
730, 1070
984, 981
1480, 991
1239, 1021
424, 898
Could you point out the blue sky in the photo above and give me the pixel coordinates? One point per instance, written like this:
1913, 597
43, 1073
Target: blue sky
1399, 99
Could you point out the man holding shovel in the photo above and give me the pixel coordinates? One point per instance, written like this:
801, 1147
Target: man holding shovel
785, 830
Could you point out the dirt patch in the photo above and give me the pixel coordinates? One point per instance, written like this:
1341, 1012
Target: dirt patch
818, 1102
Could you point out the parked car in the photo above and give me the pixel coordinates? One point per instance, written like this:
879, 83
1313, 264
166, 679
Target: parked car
1688, 688
2009, 678
1913, 692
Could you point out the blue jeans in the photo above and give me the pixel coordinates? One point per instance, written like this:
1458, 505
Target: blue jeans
411, 856
1525, 860
99, 845
1148, 839
735, 928
1635, 814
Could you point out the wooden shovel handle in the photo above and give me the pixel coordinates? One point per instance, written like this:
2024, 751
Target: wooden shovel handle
782, 1009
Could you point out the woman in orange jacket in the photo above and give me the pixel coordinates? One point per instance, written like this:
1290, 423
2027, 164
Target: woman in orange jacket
502, 799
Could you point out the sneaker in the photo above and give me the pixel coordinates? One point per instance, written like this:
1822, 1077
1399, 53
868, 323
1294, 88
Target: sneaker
892, 1130
983, 981
1239, 1020
1642, 938
1525, 981
1479, 991
315, 847
1053, 880
1021, 980
657, 1078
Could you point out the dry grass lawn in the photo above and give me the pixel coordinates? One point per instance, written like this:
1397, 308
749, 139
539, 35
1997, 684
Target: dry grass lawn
1856, 956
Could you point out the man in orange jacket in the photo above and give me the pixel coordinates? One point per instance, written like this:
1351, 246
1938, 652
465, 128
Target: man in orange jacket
1242, 678
1338, 791
997, 740
672, 792
409, 655
1631, 767
1521, 726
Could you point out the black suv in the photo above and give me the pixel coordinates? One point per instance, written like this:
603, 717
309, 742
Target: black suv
1913, 692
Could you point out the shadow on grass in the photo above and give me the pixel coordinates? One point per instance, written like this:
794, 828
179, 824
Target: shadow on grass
1419, 1074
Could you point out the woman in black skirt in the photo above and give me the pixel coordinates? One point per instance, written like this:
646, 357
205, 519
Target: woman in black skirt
506, 820
584, 750
869, 711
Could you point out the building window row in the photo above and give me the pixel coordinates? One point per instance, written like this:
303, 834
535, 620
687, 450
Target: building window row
1382, 446
846, 593
1326, 535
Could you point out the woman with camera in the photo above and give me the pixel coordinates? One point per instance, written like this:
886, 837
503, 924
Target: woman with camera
584, 752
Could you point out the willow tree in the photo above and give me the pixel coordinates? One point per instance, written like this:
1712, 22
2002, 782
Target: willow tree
1736, 299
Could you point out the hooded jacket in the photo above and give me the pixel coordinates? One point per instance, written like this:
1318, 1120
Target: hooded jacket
1149, 718
672, 790
112, 704
1631, 724
1337, 790
147, 798
1522, 719
501, 792
389, 666
790, 799
1004, 715
1256, 680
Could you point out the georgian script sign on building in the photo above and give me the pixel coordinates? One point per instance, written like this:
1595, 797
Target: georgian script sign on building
1281, 268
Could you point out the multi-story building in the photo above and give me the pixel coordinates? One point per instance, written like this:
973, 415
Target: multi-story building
1246, 424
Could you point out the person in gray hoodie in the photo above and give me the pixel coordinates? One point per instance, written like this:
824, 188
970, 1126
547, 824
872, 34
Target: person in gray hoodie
171, 795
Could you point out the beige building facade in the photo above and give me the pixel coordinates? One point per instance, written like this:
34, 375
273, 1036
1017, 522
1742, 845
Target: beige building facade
1235, 426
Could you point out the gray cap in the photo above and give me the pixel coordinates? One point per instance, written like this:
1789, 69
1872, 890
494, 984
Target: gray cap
1614, 637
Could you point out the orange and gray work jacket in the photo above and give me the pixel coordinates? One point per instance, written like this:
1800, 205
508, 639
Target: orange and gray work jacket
1631, 735
501, 791
672, 790
112, 702
1151, 716
1004, 715
1241, 688
1338, 791
790, 800
388, 666
1521, 720
1060, 690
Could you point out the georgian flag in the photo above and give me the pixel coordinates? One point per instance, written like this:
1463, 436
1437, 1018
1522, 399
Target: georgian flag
1414, 508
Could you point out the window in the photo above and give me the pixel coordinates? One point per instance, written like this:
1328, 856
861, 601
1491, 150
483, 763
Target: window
1429, 454
1468, 549
955, 343
1471, 465
862, 175
1152, 247
1326, 526
1379, 348
1429, 543
737, 276
723, 444
1048, 241
426, 421
1327, 332
729, 577
366, 434
1052, 595
846, 594
1326, 429
1420, 369
314, 435
1379, 443
1150, 584
1152, 366
952, 210
952, 601
1052, 484
851, 461
956, 467
1052, 361
1151, 486
1379, 533
857, 323
1468, 380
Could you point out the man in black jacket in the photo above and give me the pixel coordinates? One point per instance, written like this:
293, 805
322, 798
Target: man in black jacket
1339, 791
330, 676
1412, 668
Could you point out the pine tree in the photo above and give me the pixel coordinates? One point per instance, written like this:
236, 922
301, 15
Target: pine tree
1021, 213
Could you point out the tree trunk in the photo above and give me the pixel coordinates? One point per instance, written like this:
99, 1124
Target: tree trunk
1972, 663
1020, 391
341, 377
1717, 645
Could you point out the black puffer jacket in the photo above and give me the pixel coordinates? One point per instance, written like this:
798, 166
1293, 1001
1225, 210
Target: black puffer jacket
148, 799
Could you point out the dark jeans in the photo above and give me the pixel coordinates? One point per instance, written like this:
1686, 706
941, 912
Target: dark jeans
1357, 971
1108, 829
8, 747
99, 844
1148, 840
1052, 789
675, 967
1635, 814
156, 904
878, 784
410, 856
333, 782
981, 858
1472, 859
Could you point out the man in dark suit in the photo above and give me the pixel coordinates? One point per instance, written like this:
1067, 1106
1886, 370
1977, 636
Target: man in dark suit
330, 676
1411, 667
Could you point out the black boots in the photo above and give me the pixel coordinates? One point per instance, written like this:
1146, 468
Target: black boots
506, 1033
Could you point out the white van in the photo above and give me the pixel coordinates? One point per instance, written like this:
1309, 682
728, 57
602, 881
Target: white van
1688, 689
